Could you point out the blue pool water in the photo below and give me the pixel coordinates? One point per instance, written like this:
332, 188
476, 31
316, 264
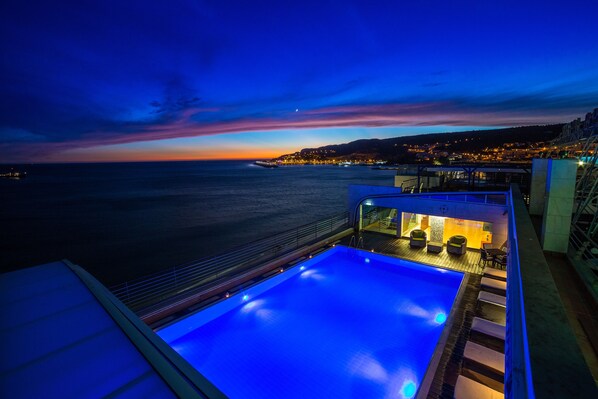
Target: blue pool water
345, 324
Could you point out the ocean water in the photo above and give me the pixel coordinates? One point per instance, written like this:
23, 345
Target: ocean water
123, 220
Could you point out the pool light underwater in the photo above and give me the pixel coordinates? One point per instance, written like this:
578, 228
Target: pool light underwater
440, 318
408, 389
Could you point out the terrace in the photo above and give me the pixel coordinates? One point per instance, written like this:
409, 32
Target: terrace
542, 356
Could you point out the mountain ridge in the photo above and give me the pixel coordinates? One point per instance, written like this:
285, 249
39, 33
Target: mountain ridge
395, 148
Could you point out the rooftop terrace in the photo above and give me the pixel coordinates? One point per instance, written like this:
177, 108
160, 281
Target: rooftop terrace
547, 346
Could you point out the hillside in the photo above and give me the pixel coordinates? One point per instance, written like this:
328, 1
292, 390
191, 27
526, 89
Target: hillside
395, 149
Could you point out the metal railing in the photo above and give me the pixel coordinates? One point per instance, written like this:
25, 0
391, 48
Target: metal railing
497, 198
357, 243
585, 248
154, 288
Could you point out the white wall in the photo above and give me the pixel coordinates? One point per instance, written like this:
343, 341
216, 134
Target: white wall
538, 186
558, 207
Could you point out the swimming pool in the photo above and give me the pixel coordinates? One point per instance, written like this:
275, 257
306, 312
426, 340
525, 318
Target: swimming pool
345, 324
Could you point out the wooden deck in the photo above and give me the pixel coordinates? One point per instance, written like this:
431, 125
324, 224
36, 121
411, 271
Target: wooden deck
399, 247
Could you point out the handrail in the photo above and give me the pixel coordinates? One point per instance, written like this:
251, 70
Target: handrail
582, 243
151, 289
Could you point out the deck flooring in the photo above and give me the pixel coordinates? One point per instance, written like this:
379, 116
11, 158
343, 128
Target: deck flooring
399, 247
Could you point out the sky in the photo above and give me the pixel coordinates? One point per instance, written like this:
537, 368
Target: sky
86, 81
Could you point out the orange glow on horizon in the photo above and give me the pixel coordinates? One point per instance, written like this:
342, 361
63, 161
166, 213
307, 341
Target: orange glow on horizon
120, 155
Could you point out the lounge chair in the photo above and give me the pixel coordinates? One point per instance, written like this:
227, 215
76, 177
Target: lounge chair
494, 286
466, 388
492, 298
495, 273
488, 328
417, 239
493, 360
456, 245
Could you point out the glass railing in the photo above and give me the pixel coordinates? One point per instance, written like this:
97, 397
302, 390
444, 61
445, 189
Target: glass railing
150, 290
479, 198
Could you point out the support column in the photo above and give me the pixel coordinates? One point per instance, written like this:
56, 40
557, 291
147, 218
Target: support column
538, 186
558, 207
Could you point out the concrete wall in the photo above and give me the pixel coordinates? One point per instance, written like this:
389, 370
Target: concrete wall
558, 206
538, 186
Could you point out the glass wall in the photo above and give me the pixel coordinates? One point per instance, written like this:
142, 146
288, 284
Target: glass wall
379, 219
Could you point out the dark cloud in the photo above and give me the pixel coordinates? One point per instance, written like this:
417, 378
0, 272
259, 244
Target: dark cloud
84, 73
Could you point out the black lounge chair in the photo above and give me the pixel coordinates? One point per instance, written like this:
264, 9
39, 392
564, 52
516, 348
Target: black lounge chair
456, 245
418, 239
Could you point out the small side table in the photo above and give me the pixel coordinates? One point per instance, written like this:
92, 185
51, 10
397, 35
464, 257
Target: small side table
435, 246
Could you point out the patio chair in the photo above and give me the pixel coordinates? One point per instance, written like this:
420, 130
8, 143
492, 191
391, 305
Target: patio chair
500, 262
417, 239
484, 257
456, 245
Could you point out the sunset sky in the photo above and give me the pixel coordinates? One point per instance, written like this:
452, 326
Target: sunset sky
86, 81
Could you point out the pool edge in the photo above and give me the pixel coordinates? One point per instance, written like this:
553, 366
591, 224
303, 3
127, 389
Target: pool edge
430, 373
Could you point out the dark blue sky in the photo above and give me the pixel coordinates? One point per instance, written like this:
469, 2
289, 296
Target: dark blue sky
130, 80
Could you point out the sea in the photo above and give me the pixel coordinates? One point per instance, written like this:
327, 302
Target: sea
121, 221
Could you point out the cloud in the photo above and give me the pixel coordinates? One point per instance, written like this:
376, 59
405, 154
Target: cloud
183, 119
98, 73
8, 135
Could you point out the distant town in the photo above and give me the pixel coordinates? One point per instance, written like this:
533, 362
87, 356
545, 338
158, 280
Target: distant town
511, 145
